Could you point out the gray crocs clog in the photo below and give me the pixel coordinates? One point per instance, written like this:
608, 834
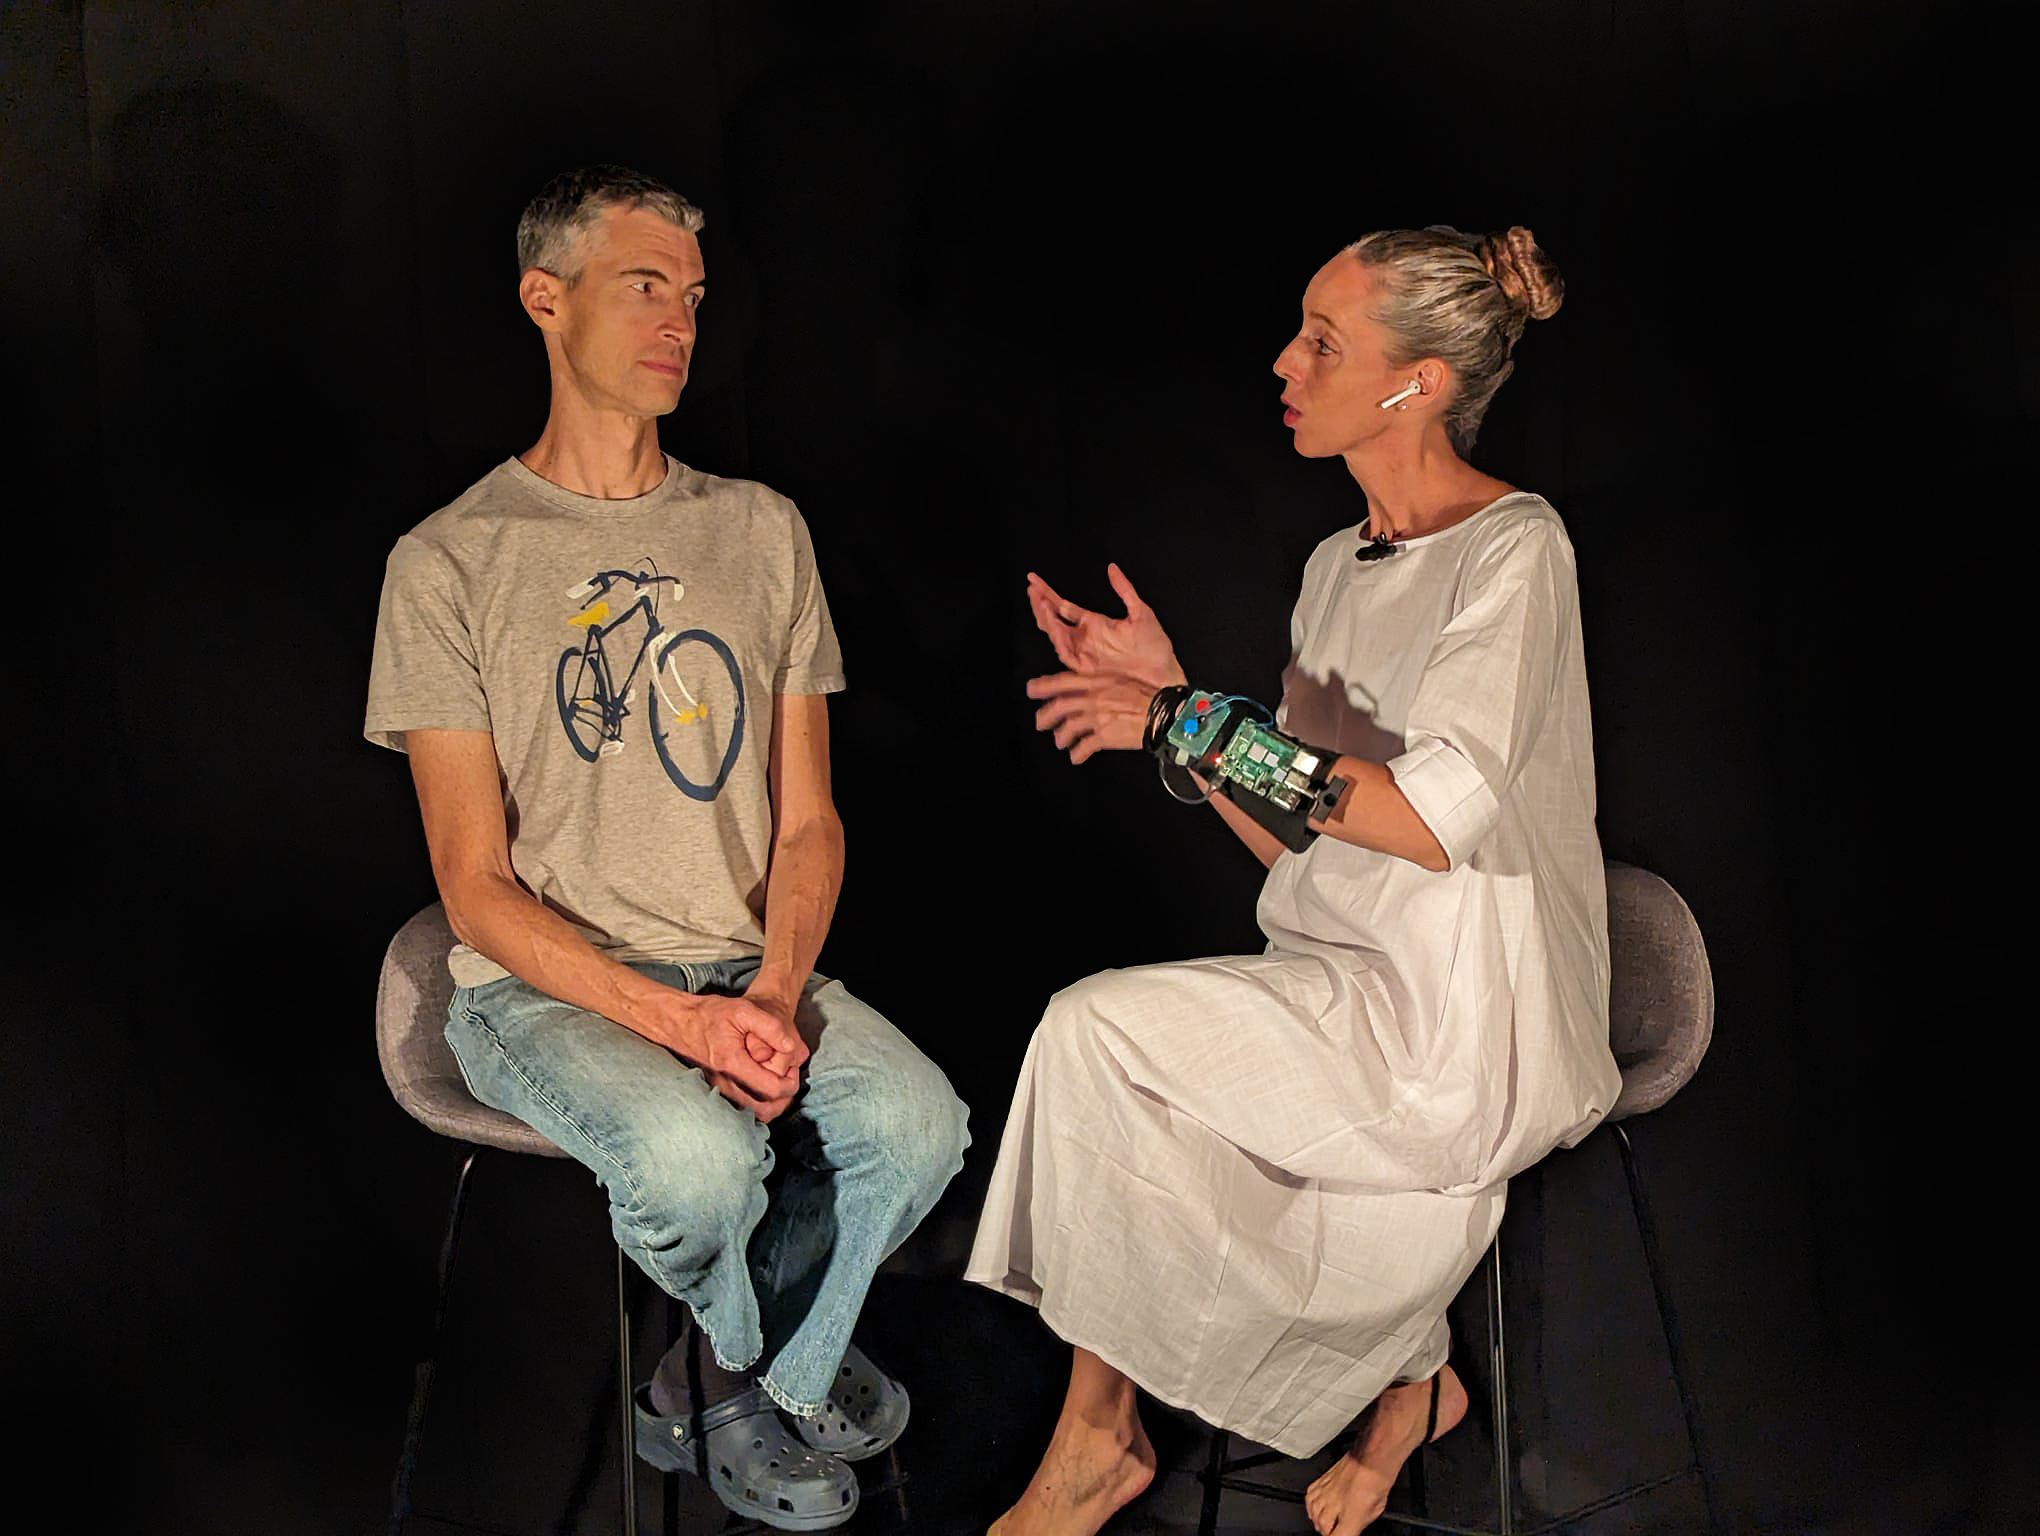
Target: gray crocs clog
750, 1461
866, 1411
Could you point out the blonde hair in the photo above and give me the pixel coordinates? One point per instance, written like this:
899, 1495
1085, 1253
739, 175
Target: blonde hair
1464, 300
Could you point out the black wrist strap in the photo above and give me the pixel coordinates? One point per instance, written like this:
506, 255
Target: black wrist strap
1161, 715
1289, 828
1292, 829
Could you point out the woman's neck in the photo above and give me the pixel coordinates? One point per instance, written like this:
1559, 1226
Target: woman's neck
1416, 490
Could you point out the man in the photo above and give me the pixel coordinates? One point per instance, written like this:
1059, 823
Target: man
610, 673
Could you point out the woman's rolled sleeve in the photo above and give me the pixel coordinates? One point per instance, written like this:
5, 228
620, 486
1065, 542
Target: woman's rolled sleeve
1449, 794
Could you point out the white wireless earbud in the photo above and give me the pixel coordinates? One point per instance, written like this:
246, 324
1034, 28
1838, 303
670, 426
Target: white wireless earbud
1412, 388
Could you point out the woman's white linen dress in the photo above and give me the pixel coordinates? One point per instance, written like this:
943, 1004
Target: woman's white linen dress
1253, 1183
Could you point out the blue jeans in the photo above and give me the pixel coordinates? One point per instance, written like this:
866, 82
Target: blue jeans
770, 1234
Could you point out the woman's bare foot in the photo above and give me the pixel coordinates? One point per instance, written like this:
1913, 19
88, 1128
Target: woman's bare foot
1352, 1495
1089, 1473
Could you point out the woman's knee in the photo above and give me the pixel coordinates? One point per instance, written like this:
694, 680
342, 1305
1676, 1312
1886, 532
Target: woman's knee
1075, 1023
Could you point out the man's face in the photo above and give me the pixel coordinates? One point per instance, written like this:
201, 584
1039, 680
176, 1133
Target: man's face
626, 329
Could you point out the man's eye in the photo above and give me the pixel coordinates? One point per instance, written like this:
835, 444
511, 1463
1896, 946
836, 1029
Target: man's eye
643, 286
694, 301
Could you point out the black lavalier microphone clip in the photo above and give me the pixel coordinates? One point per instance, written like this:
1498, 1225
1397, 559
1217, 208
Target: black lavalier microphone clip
1376, 548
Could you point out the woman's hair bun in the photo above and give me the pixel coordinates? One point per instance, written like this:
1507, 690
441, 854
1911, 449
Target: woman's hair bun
1529, 279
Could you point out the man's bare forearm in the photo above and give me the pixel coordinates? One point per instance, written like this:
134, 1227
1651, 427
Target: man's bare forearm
800, 901
495, 916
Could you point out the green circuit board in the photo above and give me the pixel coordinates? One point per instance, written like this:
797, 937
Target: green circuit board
1259, 760
1251, 755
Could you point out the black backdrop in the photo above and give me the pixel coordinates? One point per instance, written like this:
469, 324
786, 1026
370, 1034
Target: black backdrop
993, 287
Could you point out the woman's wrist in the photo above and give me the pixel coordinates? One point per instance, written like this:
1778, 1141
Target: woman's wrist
1169, 676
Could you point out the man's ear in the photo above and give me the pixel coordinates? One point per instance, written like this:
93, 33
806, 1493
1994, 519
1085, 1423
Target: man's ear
542, 296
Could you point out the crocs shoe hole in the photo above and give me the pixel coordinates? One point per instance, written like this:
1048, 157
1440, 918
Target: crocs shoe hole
787, 1505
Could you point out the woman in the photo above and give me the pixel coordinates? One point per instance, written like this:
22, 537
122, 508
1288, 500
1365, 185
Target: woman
1251, 1185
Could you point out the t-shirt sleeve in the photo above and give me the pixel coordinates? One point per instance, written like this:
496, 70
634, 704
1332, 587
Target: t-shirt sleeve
424, 675
1487, 687
813, 659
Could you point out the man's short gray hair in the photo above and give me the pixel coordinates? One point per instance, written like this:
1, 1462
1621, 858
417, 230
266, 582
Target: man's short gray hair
550, 235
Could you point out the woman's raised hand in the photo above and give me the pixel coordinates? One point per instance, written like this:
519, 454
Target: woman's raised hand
1091, 643
1091, 712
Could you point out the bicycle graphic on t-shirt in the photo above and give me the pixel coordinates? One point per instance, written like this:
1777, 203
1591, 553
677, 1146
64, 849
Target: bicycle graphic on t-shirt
593, 705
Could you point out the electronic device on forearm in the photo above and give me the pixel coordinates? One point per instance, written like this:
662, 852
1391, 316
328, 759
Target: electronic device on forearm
1283, 784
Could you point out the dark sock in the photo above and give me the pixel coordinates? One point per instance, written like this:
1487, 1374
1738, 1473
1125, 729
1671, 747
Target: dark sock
691, 1361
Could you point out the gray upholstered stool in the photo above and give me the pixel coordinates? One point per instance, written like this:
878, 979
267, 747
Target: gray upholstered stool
410, 1024
1660, 1018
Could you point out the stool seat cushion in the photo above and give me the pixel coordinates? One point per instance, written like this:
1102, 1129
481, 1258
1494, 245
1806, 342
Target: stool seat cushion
1661, 991
410, 1037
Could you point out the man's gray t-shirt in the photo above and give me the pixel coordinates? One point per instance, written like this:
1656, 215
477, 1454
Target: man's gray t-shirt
624, 655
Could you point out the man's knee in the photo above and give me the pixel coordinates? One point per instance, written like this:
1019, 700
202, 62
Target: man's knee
696, 1190
944, 1130
918, 1125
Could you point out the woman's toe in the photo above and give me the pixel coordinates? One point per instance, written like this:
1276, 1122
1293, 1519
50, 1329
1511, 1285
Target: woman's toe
1312, 1500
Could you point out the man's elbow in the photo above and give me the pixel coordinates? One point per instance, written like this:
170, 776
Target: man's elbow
831, 831
814, 827
460, 918
466, 895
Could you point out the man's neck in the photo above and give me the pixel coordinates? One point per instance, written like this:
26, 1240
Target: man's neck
597, 453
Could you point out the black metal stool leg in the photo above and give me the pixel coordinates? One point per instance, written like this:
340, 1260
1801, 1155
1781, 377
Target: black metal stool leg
414, 1421
1646, 1227
627, 1443
899, 1488
1214, 1470
669, 1485
1498, 1366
